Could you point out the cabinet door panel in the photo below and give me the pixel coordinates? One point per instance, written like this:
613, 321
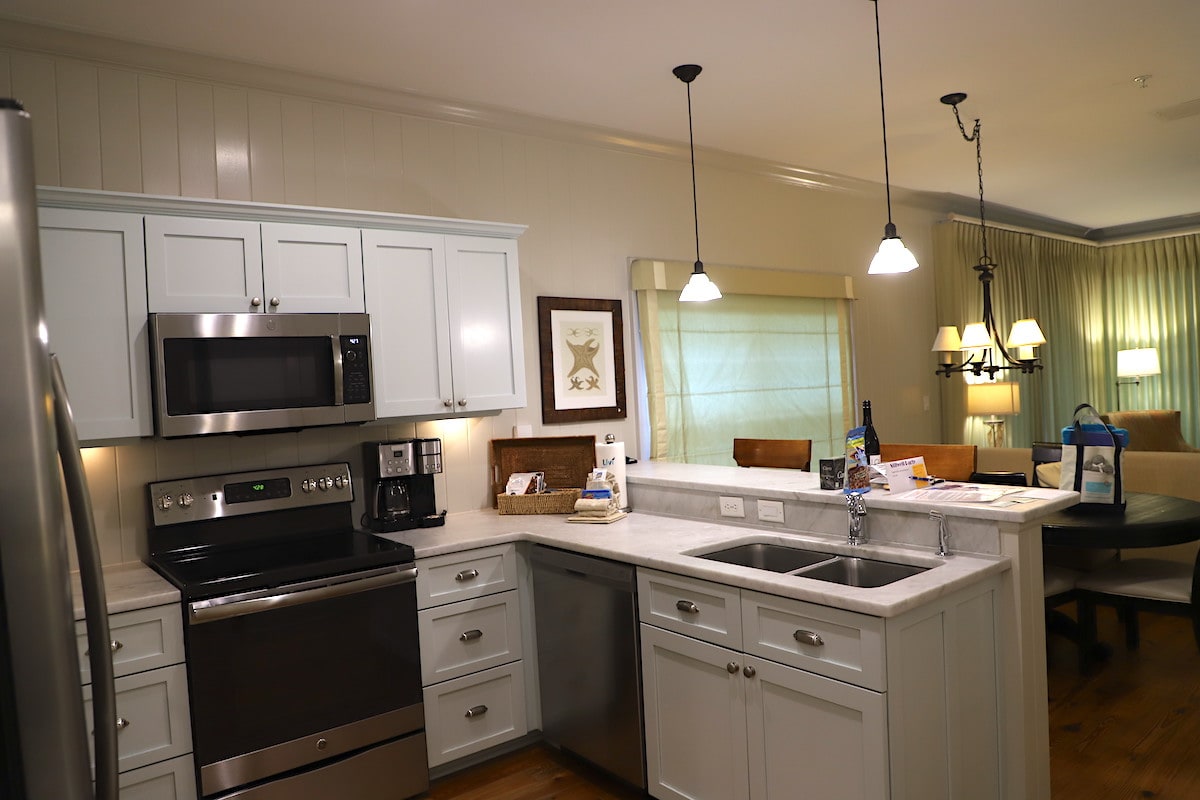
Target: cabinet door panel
695, 718
166, 780
94, 278
812, 738
312, 268
203, 265
485, 321
405, 278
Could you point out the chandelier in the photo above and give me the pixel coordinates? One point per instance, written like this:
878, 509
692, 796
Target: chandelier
981, 351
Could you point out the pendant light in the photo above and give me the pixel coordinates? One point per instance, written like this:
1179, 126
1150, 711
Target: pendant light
893, 256
699, 287
982, 351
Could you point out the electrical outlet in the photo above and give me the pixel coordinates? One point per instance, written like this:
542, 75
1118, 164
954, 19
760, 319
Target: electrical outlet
770, 511
732, 507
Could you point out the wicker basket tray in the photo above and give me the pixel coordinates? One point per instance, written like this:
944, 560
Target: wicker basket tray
566, 460
555, 501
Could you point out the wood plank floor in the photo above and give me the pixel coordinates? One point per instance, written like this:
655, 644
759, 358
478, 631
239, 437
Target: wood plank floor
1128, 730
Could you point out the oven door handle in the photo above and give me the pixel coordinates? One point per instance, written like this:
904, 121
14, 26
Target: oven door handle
223, 608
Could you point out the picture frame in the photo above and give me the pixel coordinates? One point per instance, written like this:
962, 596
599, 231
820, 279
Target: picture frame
581, 343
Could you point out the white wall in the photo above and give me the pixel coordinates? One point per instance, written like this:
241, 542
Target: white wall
134, 119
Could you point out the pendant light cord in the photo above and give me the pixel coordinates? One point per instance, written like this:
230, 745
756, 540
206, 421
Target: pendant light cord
695, 206
887, 180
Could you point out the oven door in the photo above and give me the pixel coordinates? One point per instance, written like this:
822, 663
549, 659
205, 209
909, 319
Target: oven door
284, 679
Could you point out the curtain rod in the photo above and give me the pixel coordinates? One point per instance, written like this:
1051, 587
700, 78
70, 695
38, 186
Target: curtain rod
1075, 239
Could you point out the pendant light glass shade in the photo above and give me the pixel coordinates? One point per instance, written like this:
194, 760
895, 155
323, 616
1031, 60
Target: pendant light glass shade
699, 287
892, 257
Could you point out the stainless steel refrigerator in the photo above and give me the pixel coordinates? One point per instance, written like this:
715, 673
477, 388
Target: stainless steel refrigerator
42, 723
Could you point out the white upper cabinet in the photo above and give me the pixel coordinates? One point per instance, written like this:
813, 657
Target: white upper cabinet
445, 323
94, 284
221, 265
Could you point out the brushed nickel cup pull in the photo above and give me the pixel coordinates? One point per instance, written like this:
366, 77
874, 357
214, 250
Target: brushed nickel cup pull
732, 668
467, 575
471, 635
476, 711
808, 637
749, 671
687, 606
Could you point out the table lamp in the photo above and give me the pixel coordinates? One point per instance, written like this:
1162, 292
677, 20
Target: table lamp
1137, 364
995, 399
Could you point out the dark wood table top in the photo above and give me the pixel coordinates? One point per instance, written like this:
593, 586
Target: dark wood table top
1149, 520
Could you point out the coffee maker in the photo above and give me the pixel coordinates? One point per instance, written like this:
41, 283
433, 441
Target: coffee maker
400, 491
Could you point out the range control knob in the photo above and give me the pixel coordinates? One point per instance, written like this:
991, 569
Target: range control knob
165, 502
308, 485
185, 500
341, 482
324, 483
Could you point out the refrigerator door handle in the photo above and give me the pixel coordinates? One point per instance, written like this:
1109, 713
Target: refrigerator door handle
91, 576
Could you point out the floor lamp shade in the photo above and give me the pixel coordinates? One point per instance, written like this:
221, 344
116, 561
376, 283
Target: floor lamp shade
1138, 363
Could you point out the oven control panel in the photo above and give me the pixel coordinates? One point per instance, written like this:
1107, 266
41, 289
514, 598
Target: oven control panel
216, 496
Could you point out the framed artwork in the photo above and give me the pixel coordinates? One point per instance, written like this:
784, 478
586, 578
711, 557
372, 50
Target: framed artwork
582, 359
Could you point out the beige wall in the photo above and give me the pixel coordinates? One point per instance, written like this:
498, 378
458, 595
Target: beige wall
133, 119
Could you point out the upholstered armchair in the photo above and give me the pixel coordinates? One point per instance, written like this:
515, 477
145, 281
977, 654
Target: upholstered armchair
1157, 429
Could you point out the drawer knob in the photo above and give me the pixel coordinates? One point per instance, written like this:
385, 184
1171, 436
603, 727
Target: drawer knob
476, 711
471, 635
122, 723
467, 575
749, 671
732, 668
113, 647
808, 637
687, 606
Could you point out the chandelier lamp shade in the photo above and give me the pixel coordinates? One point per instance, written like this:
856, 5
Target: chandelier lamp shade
699, 287
893, 256
980, 351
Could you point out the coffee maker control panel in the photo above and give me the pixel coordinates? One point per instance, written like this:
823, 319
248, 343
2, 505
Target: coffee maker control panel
396, 459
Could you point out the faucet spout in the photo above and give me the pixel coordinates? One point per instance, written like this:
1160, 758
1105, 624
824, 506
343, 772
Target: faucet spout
856, 510
943, 533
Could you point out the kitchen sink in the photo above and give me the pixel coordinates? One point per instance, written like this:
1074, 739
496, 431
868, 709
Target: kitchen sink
772, 557
861, 572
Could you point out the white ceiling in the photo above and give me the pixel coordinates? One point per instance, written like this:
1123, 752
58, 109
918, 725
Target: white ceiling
1068, 134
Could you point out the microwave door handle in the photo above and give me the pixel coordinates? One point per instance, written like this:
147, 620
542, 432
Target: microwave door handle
335, 342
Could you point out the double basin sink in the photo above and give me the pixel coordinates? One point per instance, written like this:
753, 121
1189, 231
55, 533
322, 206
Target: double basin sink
821, 566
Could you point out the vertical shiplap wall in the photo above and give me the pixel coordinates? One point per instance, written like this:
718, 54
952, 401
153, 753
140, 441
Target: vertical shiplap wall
589, 209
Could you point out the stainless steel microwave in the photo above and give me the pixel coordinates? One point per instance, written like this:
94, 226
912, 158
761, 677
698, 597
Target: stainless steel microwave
230, 373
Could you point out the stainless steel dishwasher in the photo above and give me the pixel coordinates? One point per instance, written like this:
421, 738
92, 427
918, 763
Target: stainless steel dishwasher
588, 660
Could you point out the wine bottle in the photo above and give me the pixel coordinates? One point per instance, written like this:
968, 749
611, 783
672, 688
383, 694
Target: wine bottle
870, 437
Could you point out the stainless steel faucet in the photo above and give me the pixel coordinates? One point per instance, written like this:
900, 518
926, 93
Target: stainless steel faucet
943, 533
856, 508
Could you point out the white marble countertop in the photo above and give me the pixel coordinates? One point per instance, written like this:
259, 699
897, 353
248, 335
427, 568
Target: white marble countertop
128, 587
788, 484
665, 543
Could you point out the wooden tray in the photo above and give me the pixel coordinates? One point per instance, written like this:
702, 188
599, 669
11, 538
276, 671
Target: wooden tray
566, 460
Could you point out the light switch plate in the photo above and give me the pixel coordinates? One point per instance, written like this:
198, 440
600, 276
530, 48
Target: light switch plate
732, 507
770, 511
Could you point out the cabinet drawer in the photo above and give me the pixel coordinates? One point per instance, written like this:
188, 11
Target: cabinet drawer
471, 573
167, 780
144, 639
829, 641
468, 636
470, 714
697, 608
154, 708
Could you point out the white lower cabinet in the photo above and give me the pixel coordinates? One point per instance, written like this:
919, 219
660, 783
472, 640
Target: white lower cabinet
752, 696
154, 736
469, 621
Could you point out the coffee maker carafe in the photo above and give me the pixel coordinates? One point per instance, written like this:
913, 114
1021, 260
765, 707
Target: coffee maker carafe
400, 490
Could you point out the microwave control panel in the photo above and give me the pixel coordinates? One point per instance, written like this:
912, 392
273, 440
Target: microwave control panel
356, 370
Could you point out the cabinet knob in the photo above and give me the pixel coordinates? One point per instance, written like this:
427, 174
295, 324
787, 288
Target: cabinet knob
749, 671
274, 302
732, 668
448, 403
808, 637
122, 723
256, 301
687, 606
462, 403
476, 711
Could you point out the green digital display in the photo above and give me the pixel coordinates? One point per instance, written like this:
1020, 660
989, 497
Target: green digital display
252, 491
258, 487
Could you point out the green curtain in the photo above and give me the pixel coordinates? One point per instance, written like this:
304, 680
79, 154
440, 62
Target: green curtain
751, 366
1090, 301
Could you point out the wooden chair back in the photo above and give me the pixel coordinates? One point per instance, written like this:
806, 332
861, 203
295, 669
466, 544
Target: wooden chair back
786, 453
953, 462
